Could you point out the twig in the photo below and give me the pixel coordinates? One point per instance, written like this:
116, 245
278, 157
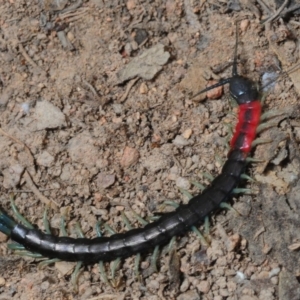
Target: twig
20, 143
91, 88
278, 12
72, 7
45, 200
26, 56
129, 86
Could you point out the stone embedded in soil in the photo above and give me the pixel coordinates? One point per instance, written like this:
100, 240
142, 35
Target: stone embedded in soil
3, 237
12, 176
183, 183
214, 93
45, 159
156, 161
82, 150
203, 287
47, 116
189, 295
146, 65
130, 157
64, 267
104, 180
180, 141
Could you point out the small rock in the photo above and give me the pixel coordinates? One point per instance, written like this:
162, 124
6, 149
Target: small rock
203, 287
214, 93
47, 116
180, 141
81, 149
65, 267
143, 88
104, 180
130, 4
244, 25
183, 183
2, 281
185, 285
187, 133
45, 285
130, 157
3, 237
190, 295
45, 159
156, 161
12, 176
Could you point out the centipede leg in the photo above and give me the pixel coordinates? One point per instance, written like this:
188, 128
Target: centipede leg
260, 141
46, 223
227, 206
76, 272
18, 215
101, 263
137, 259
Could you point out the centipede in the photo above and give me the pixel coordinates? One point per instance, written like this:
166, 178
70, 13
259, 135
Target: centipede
169, 225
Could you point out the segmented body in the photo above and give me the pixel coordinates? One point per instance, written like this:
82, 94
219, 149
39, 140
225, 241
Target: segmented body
169, 225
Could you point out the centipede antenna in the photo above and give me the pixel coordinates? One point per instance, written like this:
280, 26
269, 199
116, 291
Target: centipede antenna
234, 66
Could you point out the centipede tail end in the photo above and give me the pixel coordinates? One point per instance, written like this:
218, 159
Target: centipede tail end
6, 223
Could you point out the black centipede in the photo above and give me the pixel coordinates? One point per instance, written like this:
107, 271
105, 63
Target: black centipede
176, 223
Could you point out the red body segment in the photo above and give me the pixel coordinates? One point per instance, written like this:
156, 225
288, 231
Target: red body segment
248, 120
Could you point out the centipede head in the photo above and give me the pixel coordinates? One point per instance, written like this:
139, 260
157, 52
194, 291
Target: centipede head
241, 88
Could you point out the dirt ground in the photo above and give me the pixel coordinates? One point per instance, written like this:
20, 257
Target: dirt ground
97, 119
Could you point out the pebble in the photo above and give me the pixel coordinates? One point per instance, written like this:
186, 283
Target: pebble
3, 238
143, 88
104, 180
2, 281
130, 4
244, 25
214, 93
45, 159
190, 295
185, 285
130, 157
183, 183
187, 133
180, 141
203, 287
47, 116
